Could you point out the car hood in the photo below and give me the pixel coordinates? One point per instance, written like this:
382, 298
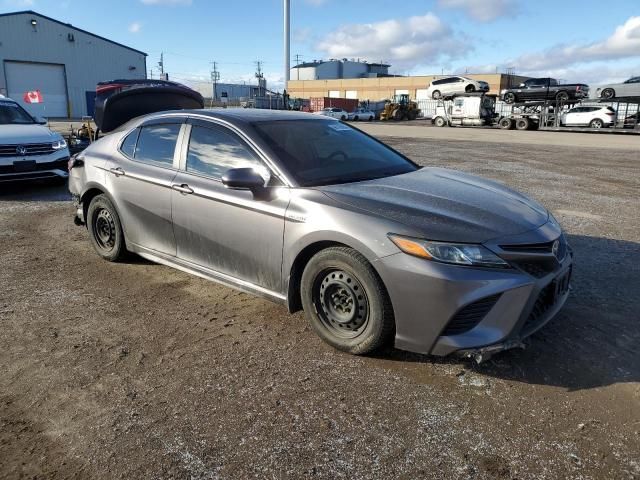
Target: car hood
12, 134
445, 205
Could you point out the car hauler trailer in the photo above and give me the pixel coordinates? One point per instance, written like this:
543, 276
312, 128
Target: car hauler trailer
481, 109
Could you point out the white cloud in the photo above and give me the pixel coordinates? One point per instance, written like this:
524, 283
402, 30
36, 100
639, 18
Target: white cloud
135, 27
167, 2
402, 42
607, 60
18, 3
623, 43
482, 10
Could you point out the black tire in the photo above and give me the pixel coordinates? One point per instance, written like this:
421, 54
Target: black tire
522, 123
562, 96
105, 229
608, 93
343, 118
505, 123
596, 123
356, 118
439, 122
509, 97
470, 89
436, 95
371, 118
345, 301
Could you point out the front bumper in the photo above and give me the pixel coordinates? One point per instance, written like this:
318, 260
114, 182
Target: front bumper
17, 169
428, 297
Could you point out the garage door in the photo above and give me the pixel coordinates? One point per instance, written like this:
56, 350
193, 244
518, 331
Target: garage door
48, 78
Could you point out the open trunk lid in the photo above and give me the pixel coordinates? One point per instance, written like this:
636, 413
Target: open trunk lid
118, 101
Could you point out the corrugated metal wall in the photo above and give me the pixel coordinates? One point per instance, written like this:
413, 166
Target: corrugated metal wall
87, 59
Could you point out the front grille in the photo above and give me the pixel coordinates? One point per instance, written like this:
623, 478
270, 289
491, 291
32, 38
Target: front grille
31, 149
538, 259
545, 301
537, 269
469, 316
34, 167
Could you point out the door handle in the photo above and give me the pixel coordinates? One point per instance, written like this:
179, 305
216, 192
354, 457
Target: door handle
117, 171
184, 188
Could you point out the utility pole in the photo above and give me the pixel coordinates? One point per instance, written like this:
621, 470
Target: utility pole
161, 65
298, 62
287, 42
215, 78
259, 76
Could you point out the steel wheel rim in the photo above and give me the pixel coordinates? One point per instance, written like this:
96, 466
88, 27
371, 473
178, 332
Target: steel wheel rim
104, 229
596, 124
341, 303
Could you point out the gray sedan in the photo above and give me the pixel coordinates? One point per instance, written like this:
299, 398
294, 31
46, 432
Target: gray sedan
315, 214
628, 88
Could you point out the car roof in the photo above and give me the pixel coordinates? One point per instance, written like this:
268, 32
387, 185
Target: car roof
243, 115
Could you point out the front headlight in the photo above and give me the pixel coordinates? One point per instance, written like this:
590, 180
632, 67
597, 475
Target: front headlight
453, 253
59, 144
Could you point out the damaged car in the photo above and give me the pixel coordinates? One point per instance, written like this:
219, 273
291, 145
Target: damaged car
317, 215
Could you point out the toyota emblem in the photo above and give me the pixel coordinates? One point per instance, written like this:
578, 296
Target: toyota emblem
21, 150
555, 248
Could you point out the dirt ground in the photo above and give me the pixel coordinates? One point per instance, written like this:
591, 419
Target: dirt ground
138, 371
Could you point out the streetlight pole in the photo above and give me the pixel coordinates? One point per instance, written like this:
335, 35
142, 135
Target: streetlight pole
287, 42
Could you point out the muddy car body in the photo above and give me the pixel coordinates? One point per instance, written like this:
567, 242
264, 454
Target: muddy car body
313, 213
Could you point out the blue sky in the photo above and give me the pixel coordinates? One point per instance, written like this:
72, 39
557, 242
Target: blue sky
574, 40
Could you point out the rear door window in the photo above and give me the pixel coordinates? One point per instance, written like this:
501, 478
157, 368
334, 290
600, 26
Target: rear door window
157, 143
128, 145
214, 150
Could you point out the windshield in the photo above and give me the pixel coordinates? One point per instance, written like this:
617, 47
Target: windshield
13, 114
324, 152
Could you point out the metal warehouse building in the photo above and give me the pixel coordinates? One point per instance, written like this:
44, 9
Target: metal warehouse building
61, 61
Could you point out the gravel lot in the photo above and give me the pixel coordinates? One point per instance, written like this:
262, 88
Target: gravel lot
140, 371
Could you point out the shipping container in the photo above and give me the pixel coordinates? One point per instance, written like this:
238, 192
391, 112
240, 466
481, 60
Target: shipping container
320, 103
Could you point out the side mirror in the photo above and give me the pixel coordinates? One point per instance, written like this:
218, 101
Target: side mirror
40, 120
242, 179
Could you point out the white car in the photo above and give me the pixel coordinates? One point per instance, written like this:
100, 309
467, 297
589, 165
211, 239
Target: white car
448, 86
593, 117
28, 149
361, 114
628, 88
334, 112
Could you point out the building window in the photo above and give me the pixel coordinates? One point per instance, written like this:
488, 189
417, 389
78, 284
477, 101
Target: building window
334, 93
351, 94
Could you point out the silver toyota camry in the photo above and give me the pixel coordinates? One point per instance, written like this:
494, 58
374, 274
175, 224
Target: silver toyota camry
311, 212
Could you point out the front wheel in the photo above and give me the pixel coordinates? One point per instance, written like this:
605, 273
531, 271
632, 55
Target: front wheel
470, 89
436, 95
439, 122
356, 118
346, 302
608, 93
596, 123
343, 118
105, 229
562, 97
509, 97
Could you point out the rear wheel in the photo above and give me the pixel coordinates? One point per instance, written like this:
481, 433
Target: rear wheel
439, 122
470, 89
596, 123
522, 123
608, 93
509, 97
346, 302
356, 118
562, 97
436, 95
105, 229
505, 123
343, 118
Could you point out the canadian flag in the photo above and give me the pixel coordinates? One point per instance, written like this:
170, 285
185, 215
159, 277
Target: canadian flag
33, 96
